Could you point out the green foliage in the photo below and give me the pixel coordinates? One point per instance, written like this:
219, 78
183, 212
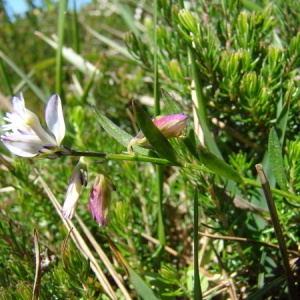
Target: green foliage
233, 68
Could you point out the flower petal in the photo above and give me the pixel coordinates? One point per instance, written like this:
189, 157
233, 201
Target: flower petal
19, 105
171, 125
22, 145
55, 119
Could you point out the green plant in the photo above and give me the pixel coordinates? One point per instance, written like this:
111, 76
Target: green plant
182, 206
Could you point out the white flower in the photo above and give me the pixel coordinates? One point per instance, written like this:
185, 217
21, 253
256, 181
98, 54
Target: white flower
77, 180
26, 137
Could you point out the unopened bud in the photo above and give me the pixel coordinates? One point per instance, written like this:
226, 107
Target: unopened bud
77, 180
170, 126
100, 199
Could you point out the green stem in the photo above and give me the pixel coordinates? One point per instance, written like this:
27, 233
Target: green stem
134, 157
165, 162
278, 231
273, 190
161, 227
87, 154
197, 282
159, 168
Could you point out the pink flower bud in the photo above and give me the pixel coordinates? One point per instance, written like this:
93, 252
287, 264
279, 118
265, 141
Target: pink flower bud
170, 126
100, 199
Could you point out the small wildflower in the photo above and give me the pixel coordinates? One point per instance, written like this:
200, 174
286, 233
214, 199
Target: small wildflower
170, 126
100, 199
77, 180
26, 137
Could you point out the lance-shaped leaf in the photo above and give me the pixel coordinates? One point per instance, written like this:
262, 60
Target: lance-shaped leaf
218, 166
275, 153
154, 136
171, 105
141, 287
119, 134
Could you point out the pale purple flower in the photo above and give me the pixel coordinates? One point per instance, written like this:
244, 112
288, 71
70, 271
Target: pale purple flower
24, 135
77, 180
169, 125
100, 199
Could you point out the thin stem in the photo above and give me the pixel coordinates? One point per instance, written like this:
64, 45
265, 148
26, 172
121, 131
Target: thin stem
277, 228
87, 154
140, 158
161, 161
273, 190
161, 227
197, 282
159, 168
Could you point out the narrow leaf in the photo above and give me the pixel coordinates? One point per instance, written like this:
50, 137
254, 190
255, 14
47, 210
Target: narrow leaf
24, 76
141, 287
197, 284
218, 166
190, 143
122, 50
119, 134
72, 57
276, 161
171, 105
282, 119
153, 134
60, 34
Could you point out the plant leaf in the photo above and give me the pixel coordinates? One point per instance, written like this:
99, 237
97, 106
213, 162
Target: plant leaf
171, 105
218, 166
72, 57
153, 134
142, 288
276, 161
119, 134
25, 77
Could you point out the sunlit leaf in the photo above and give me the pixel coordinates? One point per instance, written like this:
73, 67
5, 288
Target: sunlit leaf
119, 134
218, 166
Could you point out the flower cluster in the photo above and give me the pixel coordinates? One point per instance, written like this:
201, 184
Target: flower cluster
25, 136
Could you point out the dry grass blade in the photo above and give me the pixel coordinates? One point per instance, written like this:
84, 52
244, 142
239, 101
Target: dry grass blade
104, 259
245, 240
80, 243
38, 275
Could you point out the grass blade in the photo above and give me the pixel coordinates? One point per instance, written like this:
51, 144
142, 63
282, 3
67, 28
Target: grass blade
72, 57
197, 284
109, 42
60, 34
25, 77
